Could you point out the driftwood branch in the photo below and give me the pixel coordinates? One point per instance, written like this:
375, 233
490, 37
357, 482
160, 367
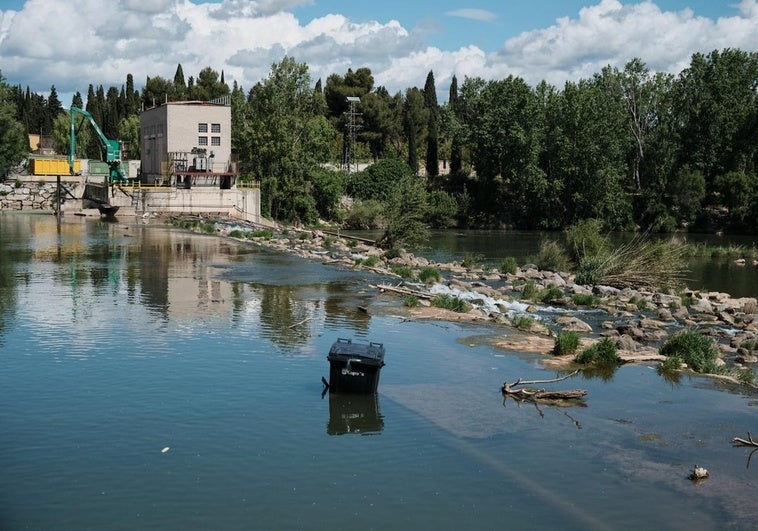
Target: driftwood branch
404, 291
737, 441
300, 322
524, 393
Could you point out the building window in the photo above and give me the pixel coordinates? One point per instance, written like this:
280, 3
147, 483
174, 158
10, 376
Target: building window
202, 128
202, 141
215, 128
215, 141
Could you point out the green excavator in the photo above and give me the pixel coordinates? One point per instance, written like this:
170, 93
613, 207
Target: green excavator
111, 149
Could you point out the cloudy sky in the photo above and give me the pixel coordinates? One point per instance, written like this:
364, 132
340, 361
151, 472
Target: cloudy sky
72, 43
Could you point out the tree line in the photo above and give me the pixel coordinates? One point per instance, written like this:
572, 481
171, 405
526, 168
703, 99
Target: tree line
629, 147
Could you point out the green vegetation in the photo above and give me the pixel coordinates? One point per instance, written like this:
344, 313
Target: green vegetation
529, 292
472, 260
369, 261
265, 234
699, 352
403, 272
553, 257
584, 300
509, 266
410, 301
566, 343
449, 302
550, 294
521, 155
604, 352
429, 275
522, 322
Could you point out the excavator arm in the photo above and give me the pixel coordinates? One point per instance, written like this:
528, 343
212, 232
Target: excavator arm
111, 149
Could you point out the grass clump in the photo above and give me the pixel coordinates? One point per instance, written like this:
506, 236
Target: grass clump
410, 301
429, 275
566, 343
699, 352
530, 290
553, 257
403, 271
604, 352
550, 294
523, 322
265, 234
471, 261
449, 302
509, 266
580, 299
370, 261
236, 233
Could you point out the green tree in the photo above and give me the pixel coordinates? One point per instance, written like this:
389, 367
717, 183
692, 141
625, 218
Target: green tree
432, 139
53, 108
414, 121
285, 140
13, 144
129, 134
179, 84
405, 211
454, 128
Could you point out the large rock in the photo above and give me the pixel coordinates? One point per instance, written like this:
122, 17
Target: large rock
572, 324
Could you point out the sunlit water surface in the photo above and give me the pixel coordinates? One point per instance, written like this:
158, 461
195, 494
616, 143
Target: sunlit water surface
156, 379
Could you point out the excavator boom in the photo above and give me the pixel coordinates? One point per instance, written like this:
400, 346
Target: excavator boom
111, 149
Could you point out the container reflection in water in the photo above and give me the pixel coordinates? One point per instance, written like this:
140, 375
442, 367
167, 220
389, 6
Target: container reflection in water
353, 413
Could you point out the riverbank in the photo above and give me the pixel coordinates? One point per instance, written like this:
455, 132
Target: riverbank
533, 307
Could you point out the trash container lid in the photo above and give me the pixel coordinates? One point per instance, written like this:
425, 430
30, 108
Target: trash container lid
345, 347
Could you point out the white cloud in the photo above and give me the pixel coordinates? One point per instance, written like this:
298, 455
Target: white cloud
473, 14
612, 33
83, 43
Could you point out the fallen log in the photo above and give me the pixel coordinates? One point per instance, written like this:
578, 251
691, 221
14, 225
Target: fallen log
404, 291
517, 391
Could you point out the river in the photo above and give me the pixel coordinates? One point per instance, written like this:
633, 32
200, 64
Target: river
158, 379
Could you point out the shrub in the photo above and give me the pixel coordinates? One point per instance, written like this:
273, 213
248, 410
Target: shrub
585, 238
410, 301
364, 215
523, 322
604, 352
208, 227
304, 236
370, 261
581, 299
696, 350
551, 294
530, 290
429, 275
566, 343
328, 242
449, 302
552, 257
687, 300
267, 234
590, 270
403, 271
236, 233
639, 302
472, 260
509, 266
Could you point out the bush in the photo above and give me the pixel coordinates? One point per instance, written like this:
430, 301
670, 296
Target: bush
584, 300
267, 234
530, 290
364, 215
590, 270
442, 210
236, 233
551, 294
448, 302
410, 301
604, 352
585, 238
523, 322
552, 257
699, 352
429, 275
509, 266
403, 271
566, 343
472, 260
370, 261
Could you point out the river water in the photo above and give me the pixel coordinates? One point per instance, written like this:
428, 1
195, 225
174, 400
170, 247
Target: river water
152, 378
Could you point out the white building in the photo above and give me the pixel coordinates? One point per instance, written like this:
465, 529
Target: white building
187, 144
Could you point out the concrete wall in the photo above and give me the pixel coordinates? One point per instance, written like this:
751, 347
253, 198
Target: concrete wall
241, 203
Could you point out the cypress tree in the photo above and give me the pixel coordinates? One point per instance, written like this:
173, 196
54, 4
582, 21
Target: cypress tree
432, 141
456, 155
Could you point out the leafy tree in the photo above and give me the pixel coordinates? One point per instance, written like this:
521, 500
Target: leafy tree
327, 188
13, 144
456, 151
378, 180
129, 134
405, 211
208, 86
382, 127
285, 140
157, 90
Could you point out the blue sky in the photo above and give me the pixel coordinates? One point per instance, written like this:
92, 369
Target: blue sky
400, 41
